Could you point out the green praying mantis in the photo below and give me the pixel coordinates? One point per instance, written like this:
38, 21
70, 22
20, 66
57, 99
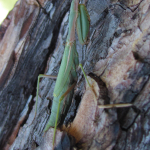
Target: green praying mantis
67, 77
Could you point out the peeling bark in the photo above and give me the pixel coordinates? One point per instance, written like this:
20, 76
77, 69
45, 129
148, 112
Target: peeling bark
118, 54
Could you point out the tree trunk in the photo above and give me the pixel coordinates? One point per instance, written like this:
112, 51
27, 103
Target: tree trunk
116, 57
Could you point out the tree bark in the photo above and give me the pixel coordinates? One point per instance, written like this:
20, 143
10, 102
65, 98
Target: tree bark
117, 57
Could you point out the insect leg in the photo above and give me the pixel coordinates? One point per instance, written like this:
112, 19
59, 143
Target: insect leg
37, 88
80, 65
61, 98
107, 105
115, 105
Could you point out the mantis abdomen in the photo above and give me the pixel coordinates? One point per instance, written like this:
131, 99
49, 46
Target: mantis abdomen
67, 76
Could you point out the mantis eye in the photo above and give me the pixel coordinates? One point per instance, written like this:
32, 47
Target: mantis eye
83, 24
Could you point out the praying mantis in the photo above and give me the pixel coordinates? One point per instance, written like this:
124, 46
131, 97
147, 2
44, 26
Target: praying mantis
67, 77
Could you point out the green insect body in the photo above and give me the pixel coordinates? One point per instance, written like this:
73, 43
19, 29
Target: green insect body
83, 24
67, 73
68, 77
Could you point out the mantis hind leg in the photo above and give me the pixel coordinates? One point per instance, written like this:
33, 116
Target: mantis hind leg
61, 98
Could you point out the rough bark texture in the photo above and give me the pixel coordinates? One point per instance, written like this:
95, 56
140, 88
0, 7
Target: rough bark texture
118, 54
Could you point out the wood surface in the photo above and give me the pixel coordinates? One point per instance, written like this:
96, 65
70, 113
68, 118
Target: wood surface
117, 56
